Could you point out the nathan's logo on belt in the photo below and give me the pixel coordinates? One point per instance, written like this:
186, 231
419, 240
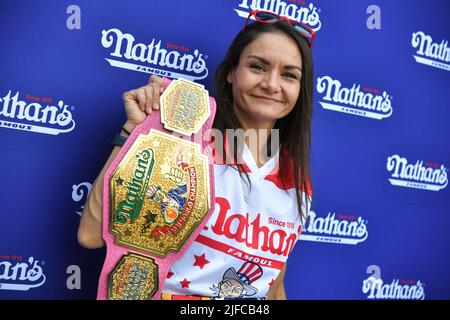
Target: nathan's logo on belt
130, 207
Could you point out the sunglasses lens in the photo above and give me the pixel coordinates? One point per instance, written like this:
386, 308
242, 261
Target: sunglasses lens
266, 17
303, 31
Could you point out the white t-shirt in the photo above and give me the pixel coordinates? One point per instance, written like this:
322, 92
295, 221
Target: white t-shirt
247, 239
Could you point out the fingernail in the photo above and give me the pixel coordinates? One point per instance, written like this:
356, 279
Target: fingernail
157, 106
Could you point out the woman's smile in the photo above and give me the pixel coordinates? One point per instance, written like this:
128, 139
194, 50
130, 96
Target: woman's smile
265, 98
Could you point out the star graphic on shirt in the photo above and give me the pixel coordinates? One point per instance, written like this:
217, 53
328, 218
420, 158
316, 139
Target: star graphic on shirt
200, 261
272, 282
169, 275
185, 283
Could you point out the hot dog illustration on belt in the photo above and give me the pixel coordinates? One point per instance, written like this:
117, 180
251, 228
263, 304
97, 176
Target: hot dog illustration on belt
172, 202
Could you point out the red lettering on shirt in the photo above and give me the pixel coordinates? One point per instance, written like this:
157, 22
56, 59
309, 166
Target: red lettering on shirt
251, 233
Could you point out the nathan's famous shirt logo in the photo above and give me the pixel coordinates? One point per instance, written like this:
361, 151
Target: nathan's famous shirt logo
130, 207
306, 14
431, 53
365, 102
340, 229
17, 273
36, 114
252, 233
152, 57
428, 176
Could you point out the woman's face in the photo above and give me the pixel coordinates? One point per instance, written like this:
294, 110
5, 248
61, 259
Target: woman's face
266, 82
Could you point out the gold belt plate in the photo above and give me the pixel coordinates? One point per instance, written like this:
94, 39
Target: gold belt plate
184, 106
159, 193
135, 277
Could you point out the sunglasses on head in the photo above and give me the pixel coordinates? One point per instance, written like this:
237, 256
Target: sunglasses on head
270, 17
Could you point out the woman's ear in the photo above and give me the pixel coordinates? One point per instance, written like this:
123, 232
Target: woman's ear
230, 77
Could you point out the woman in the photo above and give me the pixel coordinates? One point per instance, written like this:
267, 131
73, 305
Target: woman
264, 83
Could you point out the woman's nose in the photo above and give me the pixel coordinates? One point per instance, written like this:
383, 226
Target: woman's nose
271, 82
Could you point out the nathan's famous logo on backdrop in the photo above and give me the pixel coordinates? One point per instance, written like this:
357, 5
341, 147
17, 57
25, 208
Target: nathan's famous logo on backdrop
376, 288
364, 102
289, 8
431, 53
80, 193
19, 273
36, 114
335, 228
169, 60
418, 175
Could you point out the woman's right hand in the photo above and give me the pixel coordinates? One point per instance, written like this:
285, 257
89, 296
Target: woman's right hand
140, 102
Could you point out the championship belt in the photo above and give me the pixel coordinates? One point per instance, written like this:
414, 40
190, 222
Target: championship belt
158, 193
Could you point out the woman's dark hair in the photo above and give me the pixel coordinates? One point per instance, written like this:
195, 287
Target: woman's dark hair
294, 128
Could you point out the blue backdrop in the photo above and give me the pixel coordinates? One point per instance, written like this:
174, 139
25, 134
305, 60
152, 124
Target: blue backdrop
381, 207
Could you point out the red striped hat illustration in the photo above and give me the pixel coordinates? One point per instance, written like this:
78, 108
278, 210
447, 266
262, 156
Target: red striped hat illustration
247, 274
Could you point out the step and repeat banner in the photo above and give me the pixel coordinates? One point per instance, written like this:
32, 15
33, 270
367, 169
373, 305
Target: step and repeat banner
378, 228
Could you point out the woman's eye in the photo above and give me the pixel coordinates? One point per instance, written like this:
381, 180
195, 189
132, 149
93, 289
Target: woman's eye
257, 67
291, 75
